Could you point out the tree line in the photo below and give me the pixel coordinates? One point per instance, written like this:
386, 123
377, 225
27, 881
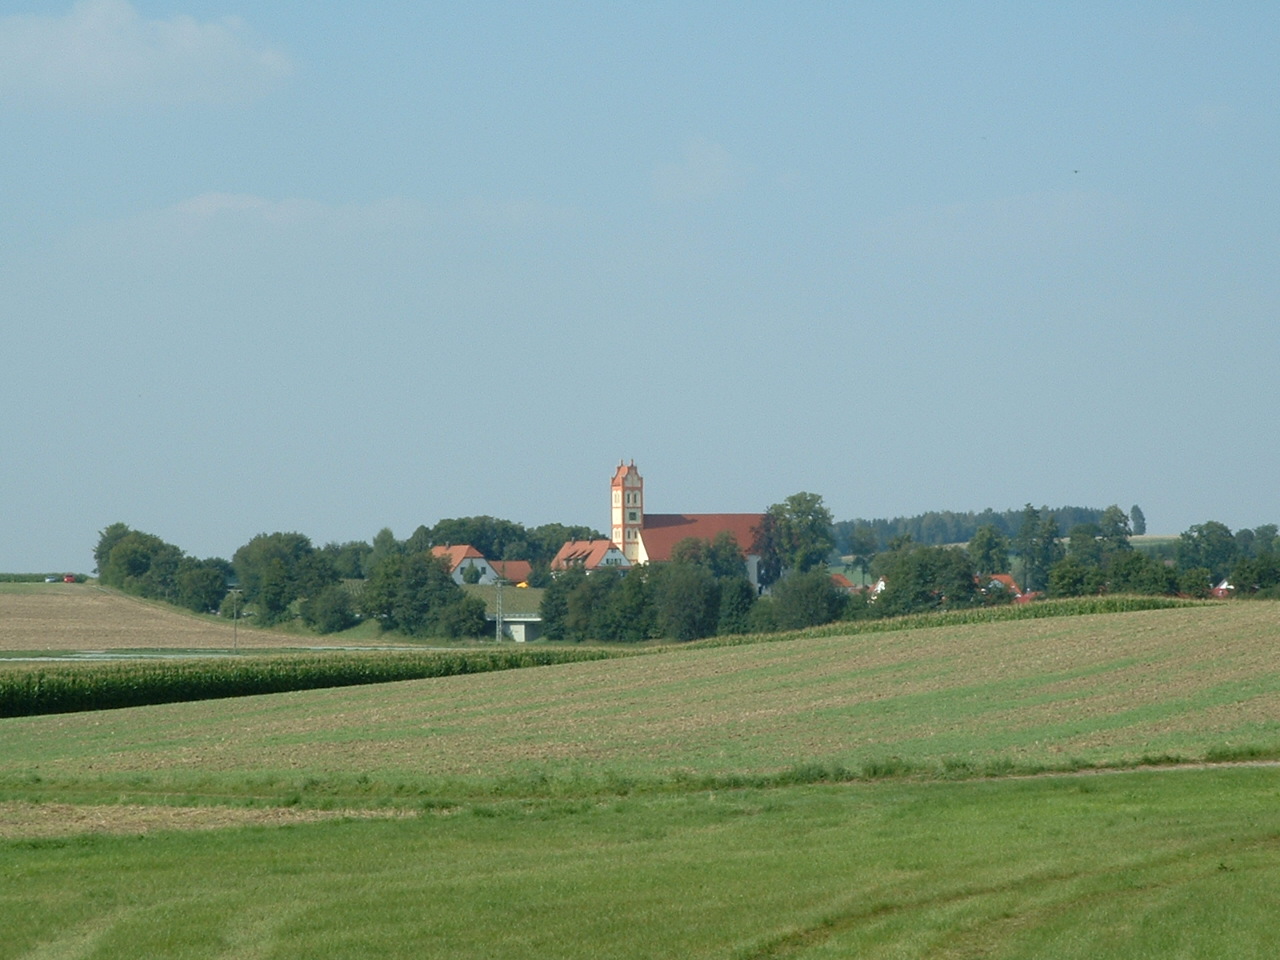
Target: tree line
702, 591
1098, 557
938, 527
277, 577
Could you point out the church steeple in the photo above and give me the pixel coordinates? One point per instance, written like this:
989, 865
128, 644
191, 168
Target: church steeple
628, 510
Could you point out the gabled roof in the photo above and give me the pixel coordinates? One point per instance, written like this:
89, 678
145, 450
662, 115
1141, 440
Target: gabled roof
1006, 581
454, 555
662, 531
586, 553
517, 571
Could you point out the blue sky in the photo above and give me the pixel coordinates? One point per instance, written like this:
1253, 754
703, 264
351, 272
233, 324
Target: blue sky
334, 267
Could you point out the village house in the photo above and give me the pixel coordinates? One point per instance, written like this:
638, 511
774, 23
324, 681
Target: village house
462, 558
590, 555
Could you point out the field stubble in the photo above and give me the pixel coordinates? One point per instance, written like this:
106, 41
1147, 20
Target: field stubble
1107, 689
64, 617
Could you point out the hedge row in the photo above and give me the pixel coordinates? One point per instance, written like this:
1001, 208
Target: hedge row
68, 689
1066, 607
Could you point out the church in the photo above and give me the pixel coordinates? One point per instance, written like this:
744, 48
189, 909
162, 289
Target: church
649, 537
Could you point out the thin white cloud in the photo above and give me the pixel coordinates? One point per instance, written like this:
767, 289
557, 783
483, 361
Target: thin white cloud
103, 53
706, 171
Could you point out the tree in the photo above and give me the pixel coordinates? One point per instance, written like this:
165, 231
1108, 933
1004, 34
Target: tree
795, 535
1085, 546
926, 578
989, 550
424, 590
1196, 582
1036, 544
737, 597
686, 601
862, 548
592, 613
330, 611
1257, 573
633, 606
464, 616
107, 539
807, 599
350, 559
554, 608
768, 547
200, 585
275, 569
385, 544
1139, 520
142, 564
1113, 528
1210, 545
721, 556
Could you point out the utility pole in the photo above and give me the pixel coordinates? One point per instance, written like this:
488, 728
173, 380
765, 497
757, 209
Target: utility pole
498, 630
235, 618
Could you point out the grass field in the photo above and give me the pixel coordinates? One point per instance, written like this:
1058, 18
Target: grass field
665, 805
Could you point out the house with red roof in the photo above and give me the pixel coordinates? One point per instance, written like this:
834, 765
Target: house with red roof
464, 557
513, 571
649, 537
590, 555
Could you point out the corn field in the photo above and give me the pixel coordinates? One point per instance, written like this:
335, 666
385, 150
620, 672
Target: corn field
68, 689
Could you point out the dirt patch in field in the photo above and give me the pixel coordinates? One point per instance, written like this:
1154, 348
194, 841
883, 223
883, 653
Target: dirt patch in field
20, 820
81, 617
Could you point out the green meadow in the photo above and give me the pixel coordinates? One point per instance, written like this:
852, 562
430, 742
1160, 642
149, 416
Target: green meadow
1035, 788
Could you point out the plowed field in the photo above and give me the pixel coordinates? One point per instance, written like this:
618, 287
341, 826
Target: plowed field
82, 617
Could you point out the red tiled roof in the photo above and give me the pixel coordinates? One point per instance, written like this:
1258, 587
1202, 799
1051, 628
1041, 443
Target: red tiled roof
585, 553
517, 571
456, 554
662, 531
1008, 581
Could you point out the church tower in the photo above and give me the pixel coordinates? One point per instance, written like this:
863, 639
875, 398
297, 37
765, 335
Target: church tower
628, 510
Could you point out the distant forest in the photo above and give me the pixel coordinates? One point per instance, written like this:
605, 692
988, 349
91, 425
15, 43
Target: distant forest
937, 528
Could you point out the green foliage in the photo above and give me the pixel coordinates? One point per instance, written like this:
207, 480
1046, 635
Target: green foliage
107, 539
799, 533
415, 595
69, 689
1072, 577
687, 600
1196, 582
200, 585
925, 578
1210, 545
1257, 573
737, 597
144, 565
1037, 545
277, 569
1139, 520
943, 527
807, 600
330, 611
702, 591
554, 608
349, 559
989, 550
